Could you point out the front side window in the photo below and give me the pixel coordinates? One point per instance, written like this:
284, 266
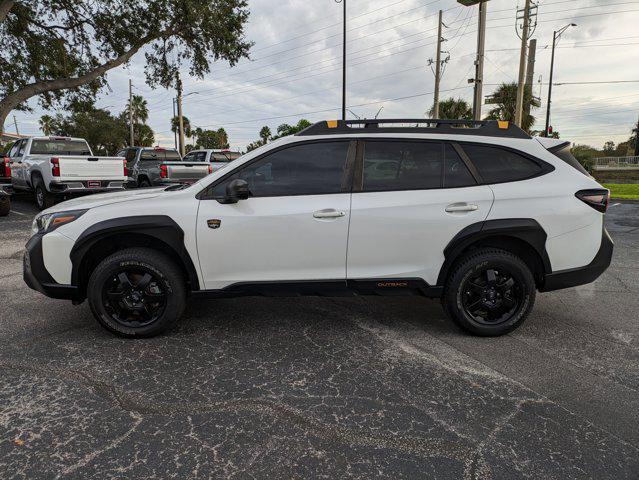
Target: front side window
308, 169
60, 147
496, 165
393, 165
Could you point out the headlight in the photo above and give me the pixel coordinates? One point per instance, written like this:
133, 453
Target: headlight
45, 223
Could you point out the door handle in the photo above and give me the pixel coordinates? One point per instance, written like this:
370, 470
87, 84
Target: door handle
328, 213
461, 207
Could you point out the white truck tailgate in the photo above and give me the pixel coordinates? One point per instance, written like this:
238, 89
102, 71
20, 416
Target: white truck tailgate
91, 168
187, 171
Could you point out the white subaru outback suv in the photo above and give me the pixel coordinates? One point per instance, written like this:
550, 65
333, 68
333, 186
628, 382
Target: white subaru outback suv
478, 214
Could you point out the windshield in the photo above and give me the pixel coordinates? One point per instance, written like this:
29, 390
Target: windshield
159, 154
60, 147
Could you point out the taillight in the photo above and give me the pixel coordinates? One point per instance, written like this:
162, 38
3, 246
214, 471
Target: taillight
7, 167
55, 167
126, 170
210, 169
597, 198
164, 171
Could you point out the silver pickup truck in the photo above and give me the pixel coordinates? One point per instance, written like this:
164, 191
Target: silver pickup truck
54, 167
216, 158
151, 167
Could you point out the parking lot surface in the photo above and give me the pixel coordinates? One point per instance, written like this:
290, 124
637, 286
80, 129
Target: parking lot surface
323, 388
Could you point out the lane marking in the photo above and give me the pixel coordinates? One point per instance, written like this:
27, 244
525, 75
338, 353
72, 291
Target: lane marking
19, 213
615, 204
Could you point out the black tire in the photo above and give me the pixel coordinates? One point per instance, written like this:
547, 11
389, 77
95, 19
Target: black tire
43, 198
5, 205
128, 308
490, 292
144, 183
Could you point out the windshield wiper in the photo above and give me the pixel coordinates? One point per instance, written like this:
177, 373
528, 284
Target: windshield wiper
177, 186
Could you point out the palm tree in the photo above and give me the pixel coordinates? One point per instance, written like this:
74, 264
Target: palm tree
265, 135
46, 124
453, 109
139, 109
175, 126
505, 97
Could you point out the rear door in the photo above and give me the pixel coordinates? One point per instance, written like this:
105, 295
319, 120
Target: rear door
410, 199
294, 225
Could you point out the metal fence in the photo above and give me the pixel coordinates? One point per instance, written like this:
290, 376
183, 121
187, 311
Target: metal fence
614, 163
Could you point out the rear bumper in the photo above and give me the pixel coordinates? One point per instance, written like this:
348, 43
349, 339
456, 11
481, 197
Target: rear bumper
36, 276
582, 275
86, 186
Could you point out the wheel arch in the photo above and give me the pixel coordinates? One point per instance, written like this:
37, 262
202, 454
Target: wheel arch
157, 232
523, 237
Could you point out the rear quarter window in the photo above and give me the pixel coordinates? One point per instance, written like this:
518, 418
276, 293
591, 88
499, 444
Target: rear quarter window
498, 165
563, 152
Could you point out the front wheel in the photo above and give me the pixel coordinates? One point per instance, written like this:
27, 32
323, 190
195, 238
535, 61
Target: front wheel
137, 292
490, 292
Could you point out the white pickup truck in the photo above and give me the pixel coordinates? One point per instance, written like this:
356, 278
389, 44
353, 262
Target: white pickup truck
55, 167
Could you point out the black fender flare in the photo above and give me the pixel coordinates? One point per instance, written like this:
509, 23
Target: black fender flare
159, 227
524, 229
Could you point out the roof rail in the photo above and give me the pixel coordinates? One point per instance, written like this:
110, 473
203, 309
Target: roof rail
488, 128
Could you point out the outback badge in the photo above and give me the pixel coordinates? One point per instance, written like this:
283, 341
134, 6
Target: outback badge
214, 223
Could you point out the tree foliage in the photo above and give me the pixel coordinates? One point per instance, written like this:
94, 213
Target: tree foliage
217, 139
60, 50
283, 130
453, 109
505, 97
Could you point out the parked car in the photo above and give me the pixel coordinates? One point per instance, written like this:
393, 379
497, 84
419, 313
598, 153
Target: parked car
53, 167
217, 158
151, 167
481, 217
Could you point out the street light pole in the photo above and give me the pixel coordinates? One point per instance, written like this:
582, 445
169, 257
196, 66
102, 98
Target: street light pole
555, 38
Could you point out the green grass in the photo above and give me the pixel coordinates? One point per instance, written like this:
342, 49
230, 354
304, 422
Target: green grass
625, 191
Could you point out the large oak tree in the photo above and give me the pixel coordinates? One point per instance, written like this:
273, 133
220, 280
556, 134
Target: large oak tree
60, 50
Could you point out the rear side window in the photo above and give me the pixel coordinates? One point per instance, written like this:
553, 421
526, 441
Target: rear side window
161, 155
496, 165
456, 173
564, 153
392, 165
59, 147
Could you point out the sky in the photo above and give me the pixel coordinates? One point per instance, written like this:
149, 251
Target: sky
294, 70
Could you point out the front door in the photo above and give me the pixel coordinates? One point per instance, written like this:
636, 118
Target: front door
16, 155
294, 225
412, 198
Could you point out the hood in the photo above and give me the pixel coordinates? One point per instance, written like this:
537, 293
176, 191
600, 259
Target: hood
100, 199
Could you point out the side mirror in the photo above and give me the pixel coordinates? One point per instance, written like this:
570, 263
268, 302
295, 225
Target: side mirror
236, 190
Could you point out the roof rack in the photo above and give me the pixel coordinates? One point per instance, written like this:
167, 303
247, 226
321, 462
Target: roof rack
488, 128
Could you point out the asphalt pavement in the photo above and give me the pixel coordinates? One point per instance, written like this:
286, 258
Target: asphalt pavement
323, 388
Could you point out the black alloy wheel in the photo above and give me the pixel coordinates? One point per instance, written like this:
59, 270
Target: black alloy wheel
134, 297
491, 296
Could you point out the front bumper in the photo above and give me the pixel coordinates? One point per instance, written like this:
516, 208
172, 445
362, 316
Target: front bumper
36, 276
582, 275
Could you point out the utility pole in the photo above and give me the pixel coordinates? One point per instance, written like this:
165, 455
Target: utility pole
522, 66
175, 132
180, 116
479, 61
555, 37
637, 140
132, 139
343, 63
15, 122
438, 68
530, 71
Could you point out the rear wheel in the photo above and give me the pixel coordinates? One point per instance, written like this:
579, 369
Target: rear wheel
144, 183
490, 292
137, 292
43, 198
